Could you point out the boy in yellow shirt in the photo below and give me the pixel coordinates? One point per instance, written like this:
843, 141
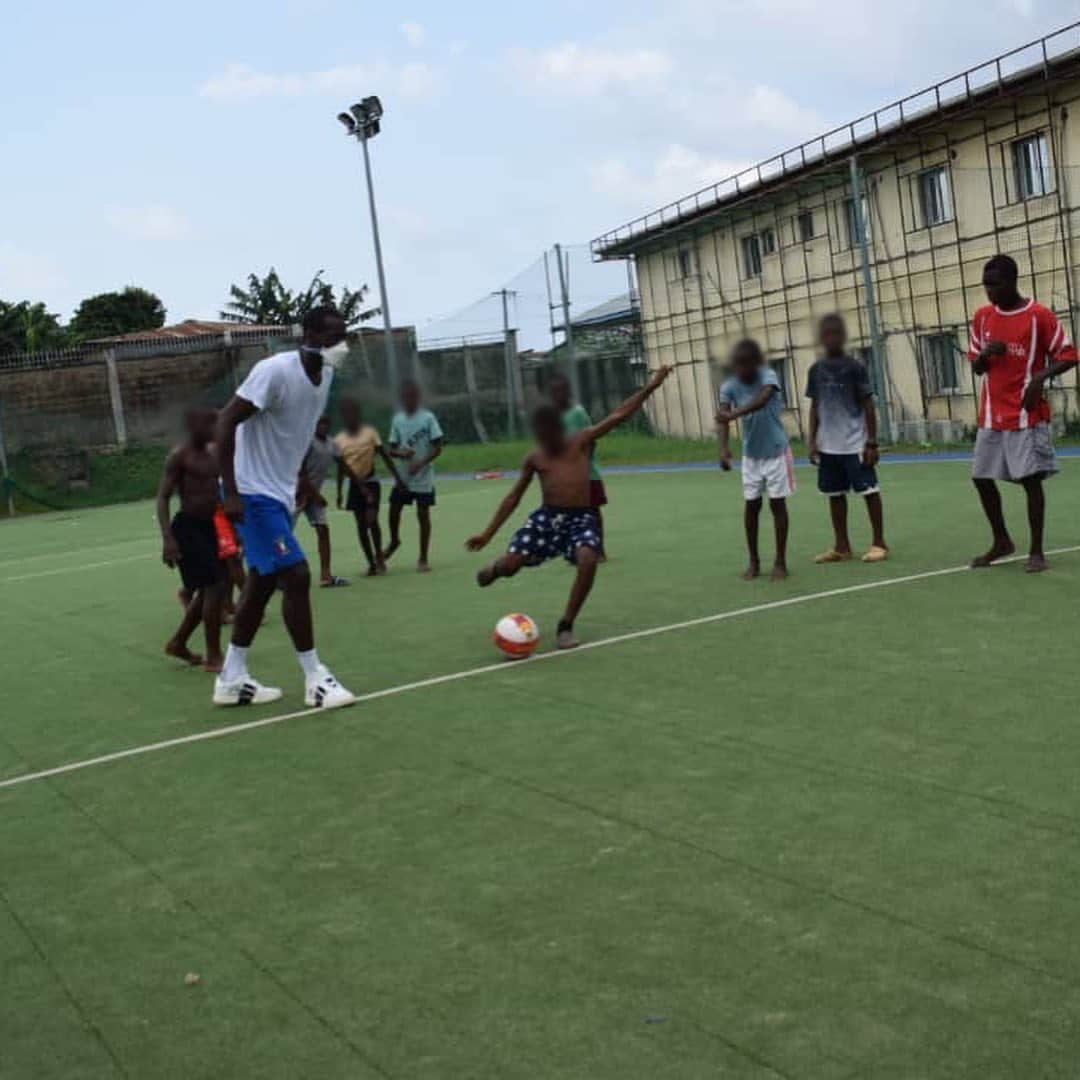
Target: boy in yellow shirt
357, 446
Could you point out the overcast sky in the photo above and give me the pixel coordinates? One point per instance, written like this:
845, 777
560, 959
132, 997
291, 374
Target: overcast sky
180, 146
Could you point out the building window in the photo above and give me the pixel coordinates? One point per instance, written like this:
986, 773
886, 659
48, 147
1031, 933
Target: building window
852, 222
804, 226
684, 264
935, 196
940, 373
768, 241
751, 254
1031, 166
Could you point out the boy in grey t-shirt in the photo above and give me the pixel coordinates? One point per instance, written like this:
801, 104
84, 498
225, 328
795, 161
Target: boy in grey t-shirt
843, 440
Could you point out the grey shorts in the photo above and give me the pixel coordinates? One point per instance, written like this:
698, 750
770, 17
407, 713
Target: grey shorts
1014, 455
315, 514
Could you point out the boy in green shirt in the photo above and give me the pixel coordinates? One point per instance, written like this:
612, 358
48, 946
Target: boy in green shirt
576, 418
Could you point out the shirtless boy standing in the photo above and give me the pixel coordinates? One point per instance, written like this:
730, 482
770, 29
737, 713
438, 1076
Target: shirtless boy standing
189, 540
566, 523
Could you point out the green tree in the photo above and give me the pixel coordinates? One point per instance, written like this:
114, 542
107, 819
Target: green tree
29, 327
267, 302
111, 313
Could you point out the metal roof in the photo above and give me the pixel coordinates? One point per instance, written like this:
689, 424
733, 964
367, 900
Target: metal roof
1036, 59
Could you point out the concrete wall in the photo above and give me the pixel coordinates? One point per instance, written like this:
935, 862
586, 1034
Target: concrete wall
926, 278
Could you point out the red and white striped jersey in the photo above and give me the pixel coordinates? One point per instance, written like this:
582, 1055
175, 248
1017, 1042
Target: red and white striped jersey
1034, 340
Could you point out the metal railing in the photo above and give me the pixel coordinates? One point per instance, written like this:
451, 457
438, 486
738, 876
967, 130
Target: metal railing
1022, 62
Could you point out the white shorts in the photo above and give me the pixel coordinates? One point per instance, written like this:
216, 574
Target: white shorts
774, 476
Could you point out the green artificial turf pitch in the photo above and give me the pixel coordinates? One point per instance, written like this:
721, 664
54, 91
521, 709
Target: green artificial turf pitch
832, 839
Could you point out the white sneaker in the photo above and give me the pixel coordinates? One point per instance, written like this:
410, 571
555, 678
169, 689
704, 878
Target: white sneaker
325, 692
245, 691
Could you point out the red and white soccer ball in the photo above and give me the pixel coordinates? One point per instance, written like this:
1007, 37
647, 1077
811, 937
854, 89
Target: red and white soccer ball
516, 636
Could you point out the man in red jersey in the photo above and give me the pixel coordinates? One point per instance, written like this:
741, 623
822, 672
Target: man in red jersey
1017, 346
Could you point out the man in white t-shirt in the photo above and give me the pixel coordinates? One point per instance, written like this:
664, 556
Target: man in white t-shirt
263, 435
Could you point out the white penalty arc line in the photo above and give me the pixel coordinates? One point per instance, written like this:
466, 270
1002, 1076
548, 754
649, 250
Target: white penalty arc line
501, 666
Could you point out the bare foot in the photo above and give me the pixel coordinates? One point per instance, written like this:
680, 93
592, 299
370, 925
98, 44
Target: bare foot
751, 572
779, 572
371, 571
565, 640
380, 568
422, 567
213, 665
486, 576
1036, 564
389, 552
182, 652
1000, 549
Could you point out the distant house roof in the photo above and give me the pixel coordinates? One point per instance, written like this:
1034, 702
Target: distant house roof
193, 328
619, 309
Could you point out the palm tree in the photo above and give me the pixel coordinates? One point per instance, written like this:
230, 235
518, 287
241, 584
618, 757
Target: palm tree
266, 301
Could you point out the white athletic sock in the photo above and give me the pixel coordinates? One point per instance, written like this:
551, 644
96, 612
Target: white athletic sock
309, 661
235, 667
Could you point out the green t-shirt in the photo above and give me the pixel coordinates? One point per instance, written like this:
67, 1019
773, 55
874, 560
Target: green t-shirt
418, 431
576, 419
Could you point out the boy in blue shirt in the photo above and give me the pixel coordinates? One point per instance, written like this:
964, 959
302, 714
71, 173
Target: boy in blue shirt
753, 395
417, 440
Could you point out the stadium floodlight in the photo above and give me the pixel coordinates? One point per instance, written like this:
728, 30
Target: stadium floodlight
362, 122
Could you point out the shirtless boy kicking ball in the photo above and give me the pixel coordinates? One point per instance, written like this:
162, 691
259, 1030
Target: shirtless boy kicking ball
189, 540
566, 523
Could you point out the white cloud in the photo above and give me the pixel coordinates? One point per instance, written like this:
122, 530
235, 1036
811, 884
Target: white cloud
573, 68
415, 34
239, 82
676, 172
27, 275
154, 221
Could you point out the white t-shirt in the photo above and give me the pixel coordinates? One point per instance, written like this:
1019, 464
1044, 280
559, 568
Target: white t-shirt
270, 446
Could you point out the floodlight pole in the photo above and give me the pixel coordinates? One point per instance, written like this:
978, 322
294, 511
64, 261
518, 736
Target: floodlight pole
360, 131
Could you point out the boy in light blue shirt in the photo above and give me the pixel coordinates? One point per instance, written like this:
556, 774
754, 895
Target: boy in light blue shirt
753, 396
417, 440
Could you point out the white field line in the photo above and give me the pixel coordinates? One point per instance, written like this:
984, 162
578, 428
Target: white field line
502, 666
71, 552
75, 569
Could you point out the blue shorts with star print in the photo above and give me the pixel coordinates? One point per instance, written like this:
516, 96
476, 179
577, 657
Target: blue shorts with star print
551, 531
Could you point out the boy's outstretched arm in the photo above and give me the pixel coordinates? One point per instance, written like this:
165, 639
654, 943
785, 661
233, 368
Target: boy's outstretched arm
170, 478
506, 507
728, 413
388, 461
628, 407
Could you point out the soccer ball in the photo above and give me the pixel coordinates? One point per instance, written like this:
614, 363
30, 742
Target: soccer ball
516, 636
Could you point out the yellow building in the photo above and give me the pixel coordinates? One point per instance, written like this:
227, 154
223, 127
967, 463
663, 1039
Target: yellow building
887, 220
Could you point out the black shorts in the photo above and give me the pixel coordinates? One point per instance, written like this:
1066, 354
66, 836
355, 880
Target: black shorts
357, 503
404, 497
200, 567
840, 473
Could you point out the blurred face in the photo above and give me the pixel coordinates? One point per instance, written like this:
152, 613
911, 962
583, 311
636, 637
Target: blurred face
548, 431
833, 336
1000, 287
350, 414
332, 332
746, 364
560, 393
410, 398
200, 425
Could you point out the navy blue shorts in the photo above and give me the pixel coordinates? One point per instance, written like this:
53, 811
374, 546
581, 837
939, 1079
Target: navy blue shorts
551, 532
404, 497
840, 473
270, 545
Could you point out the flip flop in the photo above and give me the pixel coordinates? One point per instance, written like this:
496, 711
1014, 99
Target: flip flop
876, 554
334, 583
832, 556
